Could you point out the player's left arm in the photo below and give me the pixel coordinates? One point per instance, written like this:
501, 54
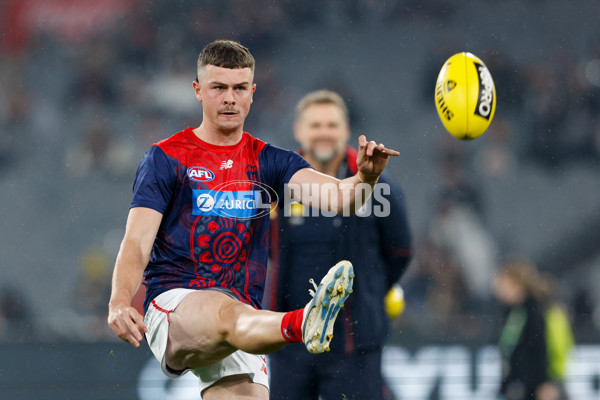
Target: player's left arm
344, 196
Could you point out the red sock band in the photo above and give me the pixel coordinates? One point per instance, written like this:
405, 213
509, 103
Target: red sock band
291, 326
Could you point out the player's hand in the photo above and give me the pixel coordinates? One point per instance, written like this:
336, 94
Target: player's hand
127, 323
372, 158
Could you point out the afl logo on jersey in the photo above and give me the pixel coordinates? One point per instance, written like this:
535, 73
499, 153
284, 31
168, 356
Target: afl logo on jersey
200, 174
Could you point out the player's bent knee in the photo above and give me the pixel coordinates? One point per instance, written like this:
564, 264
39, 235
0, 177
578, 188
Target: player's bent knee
197, 336
236, 321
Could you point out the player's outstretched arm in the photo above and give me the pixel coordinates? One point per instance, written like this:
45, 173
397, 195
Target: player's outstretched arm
140, 233
345, 196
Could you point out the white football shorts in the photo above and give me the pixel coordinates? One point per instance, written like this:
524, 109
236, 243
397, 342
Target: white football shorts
157, 321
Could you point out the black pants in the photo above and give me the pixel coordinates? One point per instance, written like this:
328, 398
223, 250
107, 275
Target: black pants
296, 374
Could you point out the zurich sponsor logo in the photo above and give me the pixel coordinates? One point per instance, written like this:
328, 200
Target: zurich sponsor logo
201, 174
253, 202
205, 202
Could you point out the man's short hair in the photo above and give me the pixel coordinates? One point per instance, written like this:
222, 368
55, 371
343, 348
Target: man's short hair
225, 54
321, 97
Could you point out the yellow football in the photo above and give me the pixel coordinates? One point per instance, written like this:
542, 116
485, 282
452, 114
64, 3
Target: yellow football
394, 301
465, 96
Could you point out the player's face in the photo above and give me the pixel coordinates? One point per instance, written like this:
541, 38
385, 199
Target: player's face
322, 131
226, 96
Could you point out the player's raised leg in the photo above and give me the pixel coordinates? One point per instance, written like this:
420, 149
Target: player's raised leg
208, 325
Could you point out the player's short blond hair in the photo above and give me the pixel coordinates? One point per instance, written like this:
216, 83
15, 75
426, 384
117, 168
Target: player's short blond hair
321, 97
225, 54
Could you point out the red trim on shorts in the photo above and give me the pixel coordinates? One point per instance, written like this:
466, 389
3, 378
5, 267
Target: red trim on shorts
159, 308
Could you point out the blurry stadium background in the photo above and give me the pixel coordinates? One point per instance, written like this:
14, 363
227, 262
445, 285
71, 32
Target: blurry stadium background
87, 86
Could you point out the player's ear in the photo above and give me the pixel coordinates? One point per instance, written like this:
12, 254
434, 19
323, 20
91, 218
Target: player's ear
253, 90
197, 92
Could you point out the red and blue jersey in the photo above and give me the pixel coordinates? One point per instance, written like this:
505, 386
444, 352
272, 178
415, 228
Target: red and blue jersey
215, 202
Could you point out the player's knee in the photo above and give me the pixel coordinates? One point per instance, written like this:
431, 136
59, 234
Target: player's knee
232, 320
195, 325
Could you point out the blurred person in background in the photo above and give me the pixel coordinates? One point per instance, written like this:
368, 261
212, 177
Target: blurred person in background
559, 338
304, 245
523, 342
458, 223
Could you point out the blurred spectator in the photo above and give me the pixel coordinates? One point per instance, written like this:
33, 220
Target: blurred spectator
559, 338
380, 249
458, 224
523, 342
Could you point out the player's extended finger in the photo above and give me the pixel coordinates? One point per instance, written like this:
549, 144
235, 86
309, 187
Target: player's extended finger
362, 142
390, 152
370, 148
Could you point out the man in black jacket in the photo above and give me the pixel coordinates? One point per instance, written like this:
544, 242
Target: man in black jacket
305, 243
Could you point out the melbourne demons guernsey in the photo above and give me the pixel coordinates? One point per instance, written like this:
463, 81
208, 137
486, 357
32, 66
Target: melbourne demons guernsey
215, 202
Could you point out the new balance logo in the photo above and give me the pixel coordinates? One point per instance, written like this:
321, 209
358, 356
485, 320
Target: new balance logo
226, 164
289, 332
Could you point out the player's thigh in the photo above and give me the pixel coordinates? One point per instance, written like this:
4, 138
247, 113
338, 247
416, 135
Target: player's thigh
235, 387
198, 330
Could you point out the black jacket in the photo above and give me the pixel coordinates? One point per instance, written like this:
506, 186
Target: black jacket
524, 351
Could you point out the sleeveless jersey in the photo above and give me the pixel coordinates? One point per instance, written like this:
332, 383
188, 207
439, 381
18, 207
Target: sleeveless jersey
215, 202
